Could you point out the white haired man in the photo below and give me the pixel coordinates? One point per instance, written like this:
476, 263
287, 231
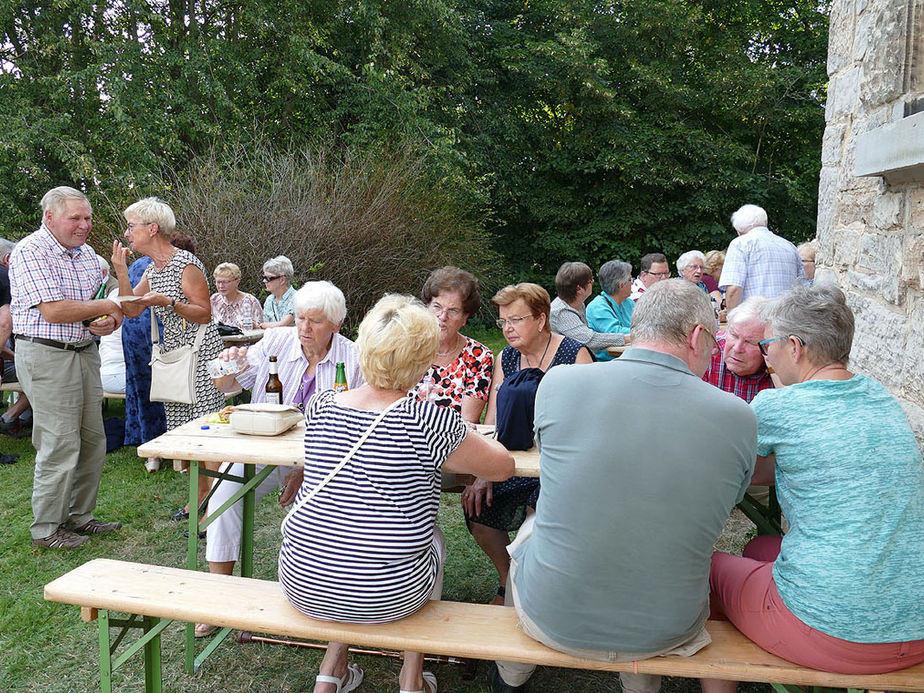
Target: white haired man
54, 276
646, 507
740, 367
758, 262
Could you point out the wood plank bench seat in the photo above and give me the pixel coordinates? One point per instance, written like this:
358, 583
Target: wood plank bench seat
478, 631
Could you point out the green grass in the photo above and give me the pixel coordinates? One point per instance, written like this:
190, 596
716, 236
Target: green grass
46, 647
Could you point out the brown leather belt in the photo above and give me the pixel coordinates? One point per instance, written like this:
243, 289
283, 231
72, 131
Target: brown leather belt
67, 346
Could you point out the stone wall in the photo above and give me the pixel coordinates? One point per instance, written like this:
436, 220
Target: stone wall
871, 227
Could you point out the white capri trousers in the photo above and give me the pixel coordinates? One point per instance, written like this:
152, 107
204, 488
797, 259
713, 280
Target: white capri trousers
223, 541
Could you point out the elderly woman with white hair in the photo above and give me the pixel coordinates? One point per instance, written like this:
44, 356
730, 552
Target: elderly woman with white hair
361, 543
307, 356
278, 309
842, 590
611, 310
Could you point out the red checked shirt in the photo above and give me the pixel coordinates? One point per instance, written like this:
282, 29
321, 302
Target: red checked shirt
41, 271
746, 387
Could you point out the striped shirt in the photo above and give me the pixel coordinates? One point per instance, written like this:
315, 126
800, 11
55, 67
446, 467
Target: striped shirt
762, 264
43, 271
283, 343
361, 550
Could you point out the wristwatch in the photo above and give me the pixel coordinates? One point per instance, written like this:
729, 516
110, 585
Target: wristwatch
173, 304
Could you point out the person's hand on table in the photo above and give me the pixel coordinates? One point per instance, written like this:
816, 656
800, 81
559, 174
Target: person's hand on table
479, 493
290, 486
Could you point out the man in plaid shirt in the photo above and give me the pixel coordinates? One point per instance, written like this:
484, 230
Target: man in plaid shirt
54, 277
739, 367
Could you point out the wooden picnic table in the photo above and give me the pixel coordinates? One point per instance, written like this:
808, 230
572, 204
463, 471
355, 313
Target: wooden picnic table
201, 441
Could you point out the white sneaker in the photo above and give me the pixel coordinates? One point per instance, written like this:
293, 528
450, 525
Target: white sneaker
152, 465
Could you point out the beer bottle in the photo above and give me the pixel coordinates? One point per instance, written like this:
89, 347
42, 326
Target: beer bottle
273, 383
340, 383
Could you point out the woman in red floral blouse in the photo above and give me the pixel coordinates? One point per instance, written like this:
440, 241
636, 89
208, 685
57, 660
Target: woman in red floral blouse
460, 376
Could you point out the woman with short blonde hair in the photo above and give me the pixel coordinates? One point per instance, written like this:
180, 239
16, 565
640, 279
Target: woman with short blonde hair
365, 547
231, 306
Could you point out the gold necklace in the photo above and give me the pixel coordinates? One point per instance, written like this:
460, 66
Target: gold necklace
453, 350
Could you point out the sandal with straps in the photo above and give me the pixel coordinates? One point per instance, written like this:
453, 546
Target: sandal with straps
350, 681
429, 679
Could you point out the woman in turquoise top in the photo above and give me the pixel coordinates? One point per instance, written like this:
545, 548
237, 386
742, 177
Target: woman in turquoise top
843, 590
611, 311
279, 308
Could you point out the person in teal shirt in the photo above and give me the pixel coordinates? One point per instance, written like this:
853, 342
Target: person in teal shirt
842, 591
611, 311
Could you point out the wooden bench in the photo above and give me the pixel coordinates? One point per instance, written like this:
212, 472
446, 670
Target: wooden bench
479, 631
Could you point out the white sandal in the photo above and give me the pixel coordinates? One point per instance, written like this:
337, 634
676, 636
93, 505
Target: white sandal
429, 679
350, 681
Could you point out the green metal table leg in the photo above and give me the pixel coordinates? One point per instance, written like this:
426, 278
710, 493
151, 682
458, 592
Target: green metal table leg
153, 675
105, 656
192, 557
247, 528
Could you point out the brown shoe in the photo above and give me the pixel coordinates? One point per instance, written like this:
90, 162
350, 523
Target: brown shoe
94, 526
61, 538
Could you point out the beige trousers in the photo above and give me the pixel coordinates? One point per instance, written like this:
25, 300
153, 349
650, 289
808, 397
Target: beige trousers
67, 431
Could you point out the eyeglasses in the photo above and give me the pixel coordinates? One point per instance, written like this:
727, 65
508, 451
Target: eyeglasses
663, 275
132, 224
268, 279
513, 322
224, 282
763, 345
715, 343
437, 309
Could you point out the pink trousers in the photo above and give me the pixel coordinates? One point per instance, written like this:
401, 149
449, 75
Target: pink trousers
743, 592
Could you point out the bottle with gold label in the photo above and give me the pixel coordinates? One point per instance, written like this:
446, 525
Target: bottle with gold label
340, 383
273, 383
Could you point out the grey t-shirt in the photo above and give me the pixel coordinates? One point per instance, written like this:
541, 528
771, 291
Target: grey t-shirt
642, 463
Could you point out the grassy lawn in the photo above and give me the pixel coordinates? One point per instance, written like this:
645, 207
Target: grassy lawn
46, 647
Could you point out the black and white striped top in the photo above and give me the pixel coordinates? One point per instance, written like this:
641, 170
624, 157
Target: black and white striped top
361, 550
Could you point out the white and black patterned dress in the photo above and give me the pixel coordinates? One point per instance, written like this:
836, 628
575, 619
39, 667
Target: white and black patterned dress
362, 549
178, 332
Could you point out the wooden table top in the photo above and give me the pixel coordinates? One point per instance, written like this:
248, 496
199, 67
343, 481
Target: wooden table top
218, 443
616, 351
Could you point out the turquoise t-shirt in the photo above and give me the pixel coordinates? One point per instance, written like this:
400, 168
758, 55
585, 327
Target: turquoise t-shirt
274, 311
850, 480
605, 315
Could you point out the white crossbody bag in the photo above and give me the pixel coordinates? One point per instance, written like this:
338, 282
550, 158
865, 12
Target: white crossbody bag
340, 465
173, 373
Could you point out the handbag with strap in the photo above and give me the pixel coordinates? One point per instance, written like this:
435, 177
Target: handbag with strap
173, 373
340, 465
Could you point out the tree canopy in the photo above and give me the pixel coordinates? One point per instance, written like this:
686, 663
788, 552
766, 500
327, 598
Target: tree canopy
569, 129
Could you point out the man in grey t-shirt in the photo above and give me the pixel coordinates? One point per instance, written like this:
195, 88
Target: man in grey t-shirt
641, 463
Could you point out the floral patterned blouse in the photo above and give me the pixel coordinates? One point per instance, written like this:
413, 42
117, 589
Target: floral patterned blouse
470, 374
246, 306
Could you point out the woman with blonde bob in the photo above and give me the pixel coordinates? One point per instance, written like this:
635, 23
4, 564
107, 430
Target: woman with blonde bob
364, 546
230, 306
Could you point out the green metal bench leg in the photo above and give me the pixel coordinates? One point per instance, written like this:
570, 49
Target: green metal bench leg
105, 653
153, 675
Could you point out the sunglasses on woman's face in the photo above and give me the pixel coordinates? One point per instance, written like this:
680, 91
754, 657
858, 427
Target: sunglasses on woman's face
269, 279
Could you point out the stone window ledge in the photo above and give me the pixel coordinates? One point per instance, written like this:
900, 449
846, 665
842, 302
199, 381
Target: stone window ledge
895, 151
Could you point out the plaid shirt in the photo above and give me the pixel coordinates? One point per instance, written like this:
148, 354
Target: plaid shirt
762, 264
42, 271
746, 387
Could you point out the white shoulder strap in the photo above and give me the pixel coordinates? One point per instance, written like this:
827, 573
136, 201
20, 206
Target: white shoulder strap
340, 465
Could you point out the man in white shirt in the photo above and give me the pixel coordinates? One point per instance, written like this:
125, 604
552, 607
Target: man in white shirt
654, 268
758, 262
